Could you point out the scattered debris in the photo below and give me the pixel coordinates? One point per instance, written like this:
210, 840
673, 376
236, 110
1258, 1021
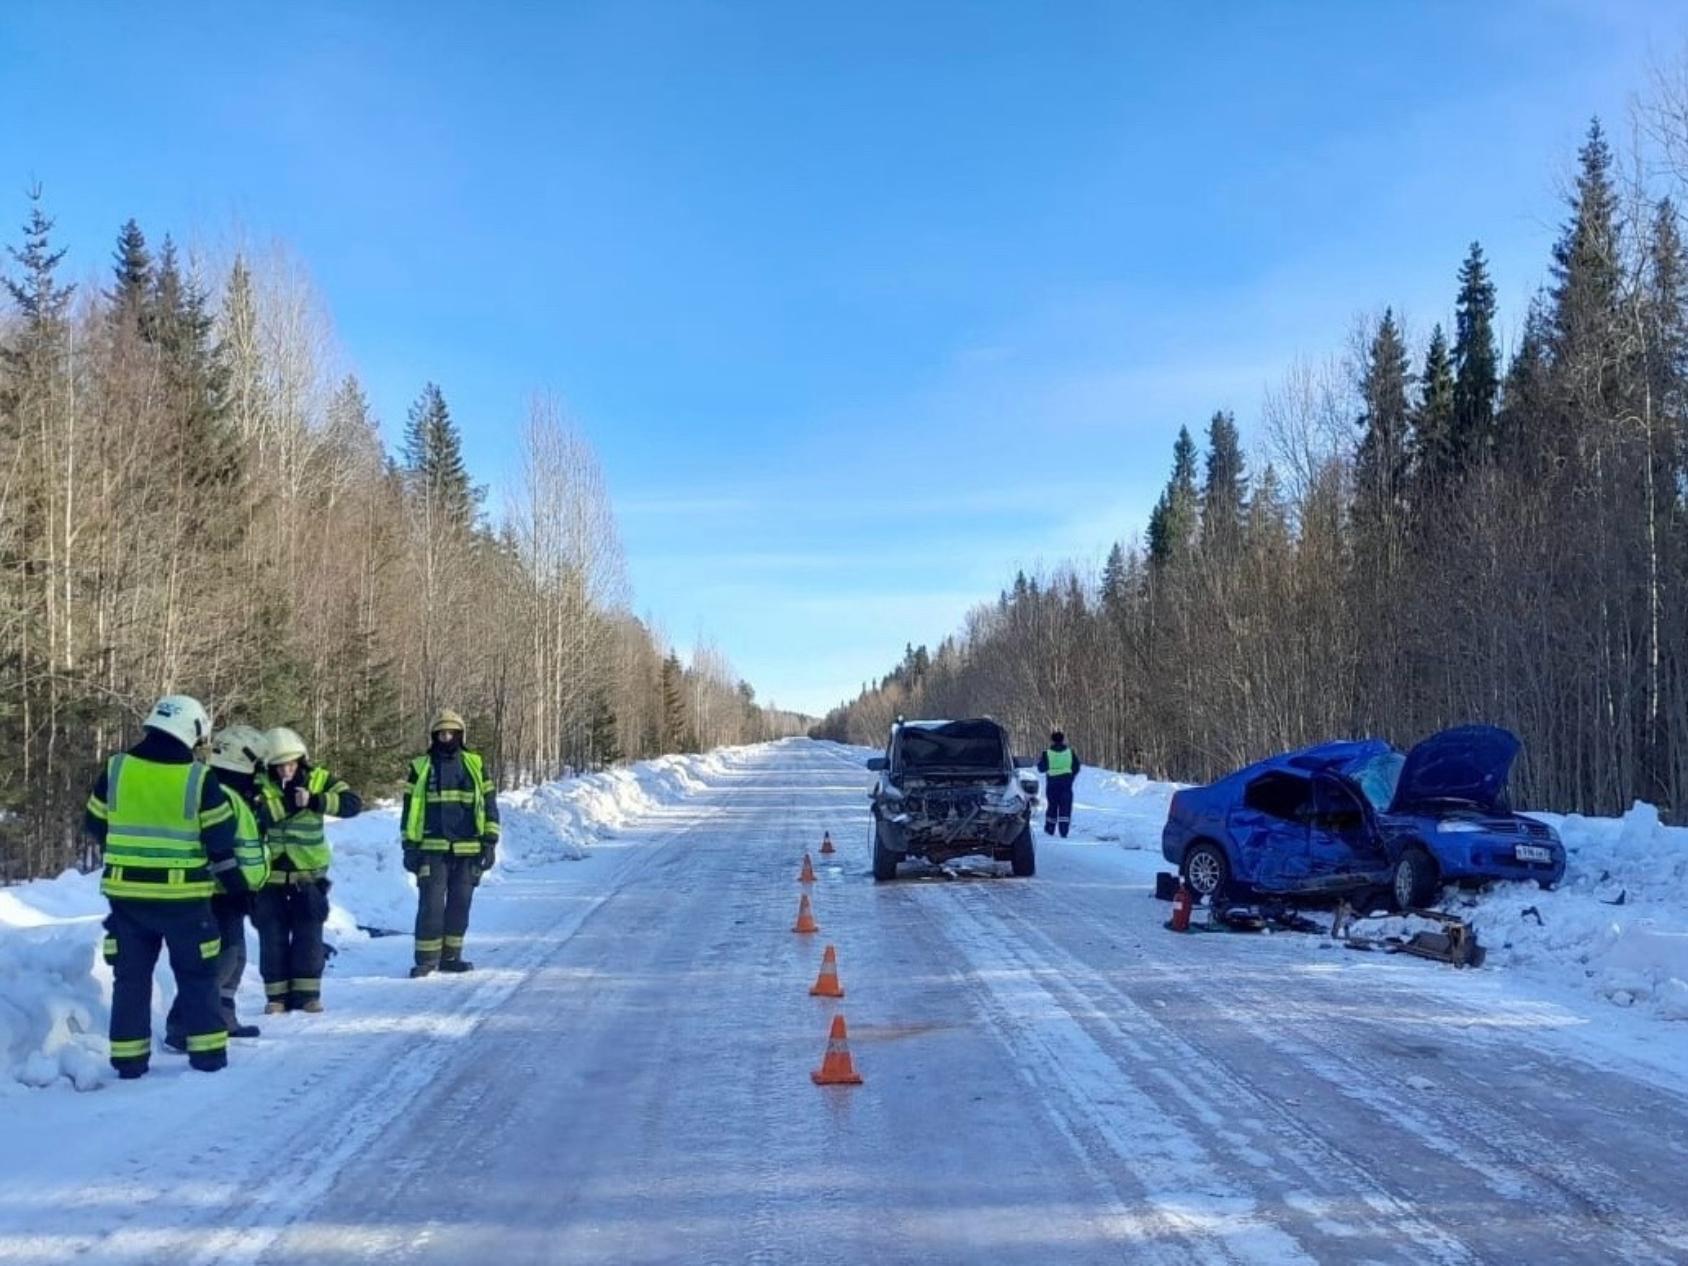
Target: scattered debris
1455, 943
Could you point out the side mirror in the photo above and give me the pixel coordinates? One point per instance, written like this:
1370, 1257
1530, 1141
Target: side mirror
878, 764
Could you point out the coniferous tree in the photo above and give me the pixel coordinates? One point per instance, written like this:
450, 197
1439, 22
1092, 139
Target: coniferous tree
1476, 363
1380, 467
1437, 448
1172, 524
131, 293
676, 728
433, 454
1224, 493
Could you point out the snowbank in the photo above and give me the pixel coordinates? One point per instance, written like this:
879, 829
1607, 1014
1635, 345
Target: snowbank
55, 989
1634, 954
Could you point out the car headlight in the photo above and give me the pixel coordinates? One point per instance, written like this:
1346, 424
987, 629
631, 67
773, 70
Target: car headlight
1456, 827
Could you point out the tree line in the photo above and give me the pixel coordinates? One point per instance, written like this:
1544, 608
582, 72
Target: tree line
1429, 537
193, 498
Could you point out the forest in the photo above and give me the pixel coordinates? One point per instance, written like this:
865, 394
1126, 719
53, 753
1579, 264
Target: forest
1427, 534
195, 496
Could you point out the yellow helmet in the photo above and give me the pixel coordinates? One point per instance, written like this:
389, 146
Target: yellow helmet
447, 720
282, 745
239, 748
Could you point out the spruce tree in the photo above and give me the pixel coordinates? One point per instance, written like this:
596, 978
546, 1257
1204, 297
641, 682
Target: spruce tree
433, 457
1172, 523
131, 293
1525, 394
1381, 464
1225, 489
1476, 363
1436, 449
675, 723
603, 735
1590, 346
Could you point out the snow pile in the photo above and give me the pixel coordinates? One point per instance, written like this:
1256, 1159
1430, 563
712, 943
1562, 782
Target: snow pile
1619, 921
55, 989
52, 998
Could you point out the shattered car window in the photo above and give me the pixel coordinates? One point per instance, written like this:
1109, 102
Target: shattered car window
952, 747
1377, 778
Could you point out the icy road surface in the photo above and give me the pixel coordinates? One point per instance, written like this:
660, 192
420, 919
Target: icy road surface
1050, 1078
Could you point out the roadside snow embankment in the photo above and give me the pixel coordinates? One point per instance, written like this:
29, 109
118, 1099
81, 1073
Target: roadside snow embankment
55, 988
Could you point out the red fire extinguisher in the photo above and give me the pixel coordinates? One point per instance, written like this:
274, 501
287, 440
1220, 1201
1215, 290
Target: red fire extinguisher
1182, 901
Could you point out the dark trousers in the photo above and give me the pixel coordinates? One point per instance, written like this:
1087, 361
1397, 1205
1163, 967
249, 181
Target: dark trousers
289, 917
445, 886
230, 914
1059, 815
135, 933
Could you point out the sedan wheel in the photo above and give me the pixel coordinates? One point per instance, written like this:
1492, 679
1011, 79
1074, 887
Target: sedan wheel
1415, 880
1206, 870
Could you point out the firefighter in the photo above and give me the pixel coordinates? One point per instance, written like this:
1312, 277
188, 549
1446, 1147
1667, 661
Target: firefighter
450, 839
294, 797
237, 756
1059, 766
168, 835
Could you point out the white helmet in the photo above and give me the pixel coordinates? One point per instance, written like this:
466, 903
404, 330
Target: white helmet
282, 745
239, 748
181, 717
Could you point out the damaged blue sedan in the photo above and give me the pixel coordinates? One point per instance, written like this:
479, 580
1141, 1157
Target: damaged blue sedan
1359, 814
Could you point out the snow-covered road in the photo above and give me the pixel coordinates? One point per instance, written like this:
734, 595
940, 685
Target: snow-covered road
1050, 1078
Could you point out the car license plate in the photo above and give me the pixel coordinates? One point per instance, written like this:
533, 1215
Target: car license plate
1532, 853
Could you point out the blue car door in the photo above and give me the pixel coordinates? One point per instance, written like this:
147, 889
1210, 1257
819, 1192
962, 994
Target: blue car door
1269, 832
1343, 838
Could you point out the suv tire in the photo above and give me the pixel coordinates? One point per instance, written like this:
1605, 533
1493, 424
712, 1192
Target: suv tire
884, 860
1024, 859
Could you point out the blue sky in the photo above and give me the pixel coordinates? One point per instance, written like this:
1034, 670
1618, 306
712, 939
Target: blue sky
864, 306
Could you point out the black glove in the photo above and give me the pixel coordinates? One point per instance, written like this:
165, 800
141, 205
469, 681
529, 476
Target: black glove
412, 859
234, 882
489, 854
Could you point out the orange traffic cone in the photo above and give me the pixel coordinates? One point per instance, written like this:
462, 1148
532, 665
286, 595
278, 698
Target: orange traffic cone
836, 1068
808, 875
826, 984
826, 843
805, 917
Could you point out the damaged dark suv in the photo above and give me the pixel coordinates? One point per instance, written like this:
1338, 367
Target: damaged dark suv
950, 789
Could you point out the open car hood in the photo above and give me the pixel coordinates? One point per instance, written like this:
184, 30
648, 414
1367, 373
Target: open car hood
1469, 764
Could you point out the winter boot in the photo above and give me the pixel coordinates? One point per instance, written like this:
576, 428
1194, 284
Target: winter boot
457, 965
275, 1006
311, 1006
176, 1044
131, 1072
421, 970
237, 1029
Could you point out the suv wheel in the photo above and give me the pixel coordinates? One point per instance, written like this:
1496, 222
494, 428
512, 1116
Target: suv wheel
884, 860
1414, 883
1207, 870
1024, 859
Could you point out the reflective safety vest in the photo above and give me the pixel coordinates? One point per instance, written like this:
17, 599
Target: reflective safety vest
1058, 762
424, 791
297, 834
153, 820
249, 847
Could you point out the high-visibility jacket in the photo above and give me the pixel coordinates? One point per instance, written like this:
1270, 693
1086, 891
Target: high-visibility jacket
427, 807
295, 835
1058, 761
153, 819
249, 847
